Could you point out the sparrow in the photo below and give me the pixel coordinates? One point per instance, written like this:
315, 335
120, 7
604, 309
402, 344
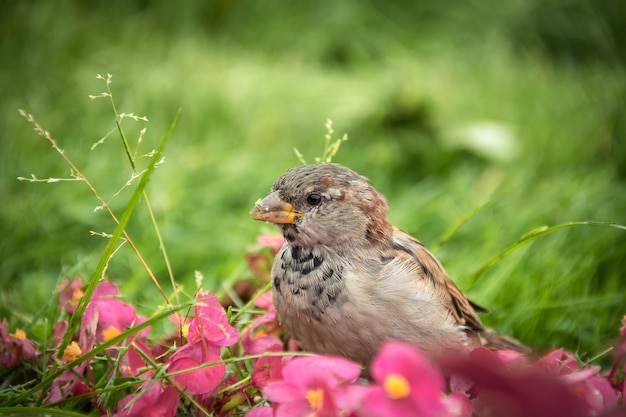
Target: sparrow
346, 280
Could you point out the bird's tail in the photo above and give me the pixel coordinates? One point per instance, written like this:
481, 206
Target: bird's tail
491, 339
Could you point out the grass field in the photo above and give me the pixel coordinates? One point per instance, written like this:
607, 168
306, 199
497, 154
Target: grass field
448, 109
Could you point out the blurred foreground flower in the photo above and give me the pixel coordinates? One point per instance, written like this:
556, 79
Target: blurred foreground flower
595, 390
553, 387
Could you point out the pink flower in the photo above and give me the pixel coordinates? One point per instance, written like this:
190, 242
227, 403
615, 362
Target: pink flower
152, 401
210, 323
558, 362
458, 405
105, 318
267, 368
260, 263
274, 242
258, 340
70, 293
198, 381
132, 363
260, 412
406, 384
498, 389
316, 385
115, 317
208, 332
620, 355
14, 347
73, 382
596, 391
105, 289
265, 302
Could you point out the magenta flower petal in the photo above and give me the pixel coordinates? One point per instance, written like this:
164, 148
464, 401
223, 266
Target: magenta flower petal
165, 406
260, 342
267, 369
265, 302
133, 362
283, 392
105, 289
67, 385
88, 328
458, 405
116, 316
598, 393
407, 383
260, 412
14, 347
330, 370
314, 385
523, 391
210, 322
58, 332
70, 293
296, 409
155, 402
199, 381
378, 404
274, 242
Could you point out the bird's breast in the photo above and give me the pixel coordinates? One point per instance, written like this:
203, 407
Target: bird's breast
332, 305
306, 284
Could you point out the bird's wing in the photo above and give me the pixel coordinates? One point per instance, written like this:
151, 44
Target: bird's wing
462, 309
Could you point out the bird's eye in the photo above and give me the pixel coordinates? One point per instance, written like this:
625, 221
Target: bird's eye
314, 199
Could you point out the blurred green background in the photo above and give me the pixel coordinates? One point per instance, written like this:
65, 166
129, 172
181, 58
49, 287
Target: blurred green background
447, 105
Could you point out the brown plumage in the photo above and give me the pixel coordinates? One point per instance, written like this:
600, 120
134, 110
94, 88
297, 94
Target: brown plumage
346, 280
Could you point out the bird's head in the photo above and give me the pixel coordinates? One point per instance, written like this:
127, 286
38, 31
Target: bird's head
325, 204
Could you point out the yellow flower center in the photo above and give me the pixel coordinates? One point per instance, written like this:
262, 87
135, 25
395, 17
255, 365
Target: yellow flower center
20, 334
397, 386
315, 397
185, 330
71, 352
259, 334
110, 332
76, 295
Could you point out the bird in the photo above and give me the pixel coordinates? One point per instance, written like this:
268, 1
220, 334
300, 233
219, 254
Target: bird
346, 280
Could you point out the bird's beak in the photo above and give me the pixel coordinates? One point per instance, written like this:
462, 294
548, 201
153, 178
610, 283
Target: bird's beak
273, 209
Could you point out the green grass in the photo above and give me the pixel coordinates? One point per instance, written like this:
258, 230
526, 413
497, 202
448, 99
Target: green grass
256, 81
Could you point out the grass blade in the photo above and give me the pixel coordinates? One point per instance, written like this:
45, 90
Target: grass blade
456, 226
74, 322
531, 236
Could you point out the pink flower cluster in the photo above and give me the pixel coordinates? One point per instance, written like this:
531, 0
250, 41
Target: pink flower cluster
215, 365
405, 384
195, 368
